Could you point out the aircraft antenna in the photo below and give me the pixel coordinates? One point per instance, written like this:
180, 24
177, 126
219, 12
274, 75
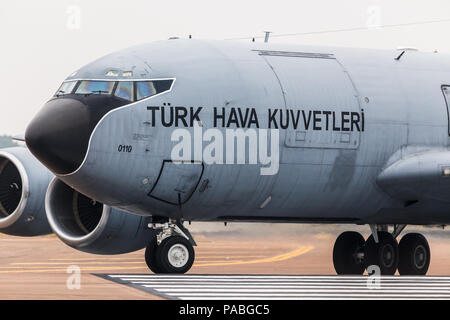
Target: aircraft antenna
360, 28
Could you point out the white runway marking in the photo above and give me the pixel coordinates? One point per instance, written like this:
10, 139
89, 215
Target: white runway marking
284, 287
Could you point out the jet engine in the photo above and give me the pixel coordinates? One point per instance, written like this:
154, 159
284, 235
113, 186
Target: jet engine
23, 182
90, 226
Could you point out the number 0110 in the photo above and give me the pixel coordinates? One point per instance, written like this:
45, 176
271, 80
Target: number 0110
124, 148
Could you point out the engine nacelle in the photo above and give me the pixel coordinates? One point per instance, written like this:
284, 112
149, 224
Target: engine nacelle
92, 227
23, 183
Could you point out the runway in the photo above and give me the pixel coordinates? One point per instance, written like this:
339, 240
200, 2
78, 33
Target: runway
267, 261
282, 287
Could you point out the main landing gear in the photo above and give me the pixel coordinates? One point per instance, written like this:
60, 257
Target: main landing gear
171, 251
352, 254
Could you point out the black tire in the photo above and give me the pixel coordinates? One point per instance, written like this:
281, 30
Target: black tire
383, 254
184, 248
345, 251
151, 256
415, 255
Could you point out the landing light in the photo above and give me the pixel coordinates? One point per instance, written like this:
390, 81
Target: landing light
446, 171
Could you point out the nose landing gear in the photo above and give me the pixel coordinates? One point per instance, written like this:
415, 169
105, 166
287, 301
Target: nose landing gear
171, 251
351, 254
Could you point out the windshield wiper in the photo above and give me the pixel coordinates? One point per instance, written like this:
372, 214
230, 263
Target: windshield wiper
60, 91
96, 92
100, 91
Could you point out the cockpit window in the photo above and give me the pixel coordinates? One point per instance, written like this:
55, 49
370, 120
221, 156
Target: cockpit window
131, 90
163, 85
95, 87
124, 90
66, 88
145, 89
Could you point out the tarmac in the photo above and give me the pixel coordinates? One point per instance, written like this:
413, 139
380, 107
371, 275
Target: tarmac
237, 255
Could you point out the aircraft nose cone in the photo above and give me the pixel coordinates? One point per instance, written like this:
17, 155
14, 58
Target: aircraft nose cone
59, 134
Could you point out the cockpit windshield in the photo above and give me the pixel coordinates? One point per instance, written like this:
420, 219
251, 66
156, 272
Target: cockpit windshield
130, 90
95, 87
124, 90
66, 88
144, 89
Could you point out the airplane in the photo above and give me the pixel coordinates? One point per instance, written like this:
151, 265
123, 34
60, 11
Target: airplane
196, 130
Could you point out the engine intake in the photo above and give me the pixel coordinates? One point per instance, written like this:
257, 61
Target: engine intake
90, 226
10, 187
23, 181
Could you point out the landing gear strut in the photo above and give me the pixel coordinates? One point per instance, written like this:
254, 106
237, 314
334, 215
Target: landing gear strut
351, 254
171, 251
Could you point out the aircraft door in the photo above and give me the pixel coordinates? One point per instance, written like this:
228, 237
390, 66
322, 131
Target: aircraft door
177, 182
318, 85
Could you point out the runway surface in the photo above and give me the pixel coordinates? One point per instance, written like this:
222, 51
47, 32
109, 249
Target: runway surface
39, 267
279, 287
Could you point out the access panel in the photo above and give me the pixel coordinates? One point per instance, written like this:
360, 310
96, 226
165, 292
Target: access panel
320, 98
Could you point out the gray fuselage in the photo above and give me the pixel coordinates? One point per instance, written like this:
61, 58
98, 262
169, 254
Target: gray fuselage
357, 110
